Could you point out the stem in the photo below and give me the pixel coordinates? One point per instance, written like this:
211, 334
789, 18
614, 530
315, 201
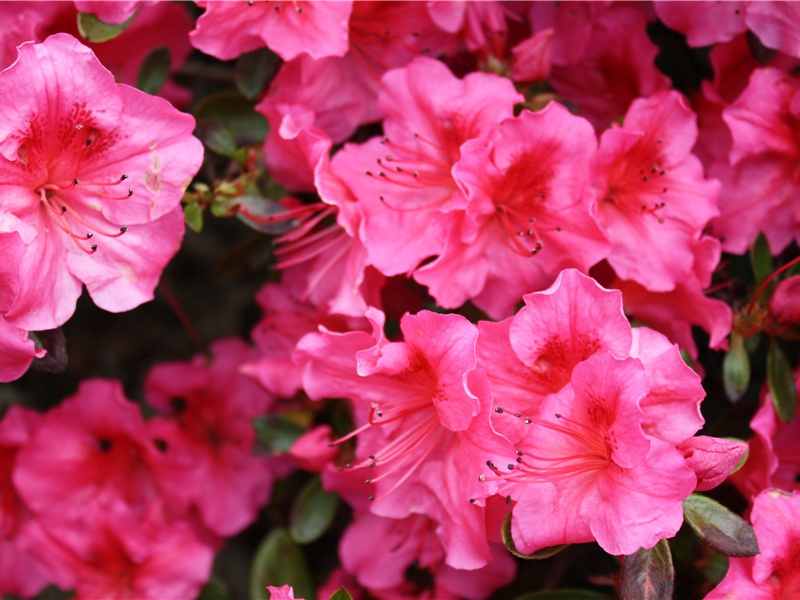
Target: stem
183, 317
766, 282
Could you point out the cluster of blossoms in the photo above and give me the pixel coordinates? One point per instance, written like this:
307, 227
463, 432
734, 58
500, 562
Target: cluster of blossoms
468, 205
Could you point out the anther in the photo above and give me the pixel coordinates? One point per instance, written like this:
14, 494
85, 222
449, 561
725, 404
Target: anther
490, 464
75, 181
368, 480
123, 178
123, 229
508, 499
472, 500
89, 235
520, 453
511, 467
481, 477
498, 410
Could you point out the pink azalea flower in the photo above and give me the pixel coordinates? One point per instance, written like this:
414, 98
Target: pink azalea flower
703, 24
117, 555
706, 24
531, 355
97, 204
774, 574
528, 216
209, 408
761, 186
403, 182
228, 29
423, 412
534, 354
286, 320
617, 66
588, 472
20, 573
653, 200
774, 460
91, 452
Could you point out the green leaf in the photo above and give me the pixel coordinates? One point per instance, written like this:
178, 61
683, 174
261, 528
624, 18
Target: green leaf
564, 594
720, 528
781, 383
341, 594
194, 217
93, 29
648, 574
215, 590
312, 512
254, 70
235, 113
277, 433
278, 562
154, 72
736, 369
538, 555
216, 137
761, 258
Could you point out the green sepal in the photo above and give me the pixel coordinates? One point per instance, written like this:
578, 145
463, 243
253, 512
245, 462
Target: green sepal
94, 30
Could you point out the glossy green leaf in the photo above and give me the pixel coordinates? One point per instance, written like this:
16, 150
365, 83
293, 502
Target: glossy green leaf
564, 594
194, 217
538, 555
93, 29
279, 561
235, 113
312, 512
761, 258
736, 368
276, 432
254, 70
341, 594
720, 528
781, 383
154, 72
648, 574
216, 137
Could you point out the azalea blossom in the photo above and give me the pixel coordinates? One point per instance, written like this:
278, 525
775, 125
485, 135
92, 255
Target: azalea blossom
528, 214
228, 29
774, 574
652, 198
205, 425
586, 471
91, 175
423, 415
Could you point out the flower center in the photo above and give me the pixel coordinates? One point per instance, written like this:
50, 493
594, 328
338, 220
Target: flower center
64, 199
581, 450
